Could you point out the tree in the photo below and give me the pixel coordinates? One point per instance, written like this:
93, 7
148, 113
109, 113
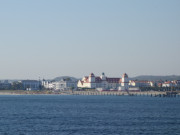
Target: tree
17, 86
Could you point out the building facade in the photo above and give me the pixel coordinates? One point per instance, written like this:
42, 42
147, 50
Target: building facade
104, 83
5, 85
135, 83
64, 84
31, 84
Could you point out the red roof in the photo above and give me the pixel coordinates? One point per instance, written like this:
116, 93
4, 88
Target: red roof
167, 82
99, 80
113, 80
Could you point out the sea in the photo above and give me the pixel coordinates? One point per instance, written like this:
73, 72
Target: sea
88, 115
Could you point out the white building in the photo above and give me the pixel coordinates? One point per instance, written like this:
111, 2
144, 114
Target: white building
168, 84
124, 83
104, 83
176, 83
135, 83
64, 84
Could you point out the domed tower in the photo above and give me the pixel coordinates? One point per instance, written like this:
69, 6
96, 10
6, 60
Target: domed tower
125, 81
103, 77
91, 78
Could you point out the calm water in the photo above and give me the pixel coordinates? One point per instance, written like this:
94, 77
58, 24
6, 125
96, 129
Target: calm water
89, 115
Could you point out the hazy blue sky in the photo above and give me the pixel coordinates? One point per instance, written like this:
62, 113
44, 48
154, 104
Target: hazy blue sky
50, 38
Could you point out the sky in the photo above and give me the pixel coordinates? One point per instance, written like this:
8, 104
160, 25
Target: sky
50, 38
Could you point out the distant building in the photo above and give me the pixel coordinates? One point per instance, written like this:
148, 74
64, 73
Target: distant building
176, 83
135, 83
46, 84
31, 84
124, 83
4, 85
168, 84
64, 84
104, 83
159, 84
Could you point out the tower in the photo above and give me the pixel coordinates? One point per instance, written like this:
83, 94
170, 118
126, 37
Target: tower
92, 81
91, 78
125, 81
103, 77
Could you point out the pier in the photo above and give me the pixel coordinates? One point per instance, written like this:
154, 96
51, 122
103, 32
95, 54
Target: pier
120, 93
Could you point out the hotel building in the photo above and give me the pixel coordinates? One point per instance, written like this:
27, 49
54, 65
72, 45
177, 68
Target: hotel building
104, 83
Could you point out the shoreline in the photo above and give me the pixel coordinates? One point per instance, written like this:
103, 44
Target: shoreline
102, 93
